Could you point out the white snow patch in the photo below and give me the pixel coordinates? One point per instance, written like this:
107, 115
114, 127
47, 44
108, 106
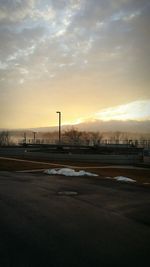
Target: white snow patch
69, 172
124, 179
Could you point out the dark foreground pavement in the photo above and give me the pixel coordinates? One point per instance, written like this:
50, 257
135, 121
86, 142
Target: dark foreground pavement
106, 224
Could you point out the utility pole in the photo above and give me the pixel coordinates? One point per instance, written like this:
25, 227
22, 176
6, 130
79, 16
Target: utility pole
34, 137
25, 138
59, 113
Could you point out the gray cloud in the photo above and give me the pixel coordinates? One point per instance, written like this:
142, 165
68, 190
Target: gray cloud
14, 10
84, 42
79, 29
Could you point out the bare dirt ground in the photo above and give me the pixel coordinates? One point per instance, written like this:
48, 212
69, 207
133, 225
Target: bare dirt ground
141, 175
20, 165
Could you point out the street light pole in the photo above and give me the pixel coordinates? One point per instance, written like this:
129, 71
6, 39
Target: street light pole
59, 113
34, 137
25, 138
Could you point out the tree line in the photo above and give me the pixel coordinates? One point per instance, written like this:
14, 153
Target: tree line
73, 136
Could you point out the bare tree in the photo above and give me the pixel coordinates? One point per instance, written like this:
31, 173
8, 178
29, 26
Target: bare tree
116, 137
49, 137
85, 138
73, 136
4, 138
96, 138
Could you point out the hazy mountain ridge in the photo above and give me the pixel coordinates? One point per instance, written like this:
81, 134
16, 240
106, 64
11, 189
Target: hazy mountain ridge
115, 125
132, 126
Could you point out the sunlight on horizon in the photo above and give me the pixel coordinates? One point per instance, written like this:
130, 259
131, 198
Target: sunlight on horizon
137, 110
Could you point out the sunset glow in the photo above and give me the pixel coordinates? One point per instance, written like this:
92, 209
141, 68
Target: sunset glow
139, 110
88, 59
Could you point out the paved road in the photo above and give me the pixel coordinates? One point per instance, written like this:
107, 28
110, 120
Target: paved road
106, 224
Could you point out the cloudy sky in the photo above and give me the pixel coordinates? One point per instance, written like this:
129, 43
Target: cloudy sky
86, 58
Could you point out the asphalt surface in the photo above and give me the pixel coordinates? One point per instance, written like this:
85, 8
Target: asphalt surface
100, 222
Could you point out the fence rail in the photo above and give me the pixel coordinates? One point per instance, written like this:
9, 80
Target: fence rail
107, 142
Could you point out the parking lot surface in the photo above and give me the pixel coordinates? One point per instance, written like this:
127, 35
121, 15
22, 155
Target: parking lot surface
58, 221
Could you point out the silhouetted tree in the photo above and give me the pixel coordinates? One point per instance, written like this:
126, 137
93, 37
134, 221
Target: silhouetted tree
4, 138
96, 138
73, 136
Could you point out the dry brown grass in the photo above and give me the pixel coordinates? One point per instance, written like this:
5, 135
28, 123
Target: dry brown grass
12, 165
140, 175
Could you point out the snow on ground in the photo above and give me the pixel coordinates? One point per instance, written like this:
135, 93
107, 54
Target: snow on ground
72, 172
69, 172
124, 179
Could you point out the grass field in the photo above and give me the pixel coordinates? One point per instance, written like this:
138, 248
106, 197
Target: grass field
142, 176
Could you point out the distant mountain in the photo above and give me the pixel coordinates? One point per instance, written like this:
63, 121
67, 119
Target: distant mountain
132, 126
104, 126
115, 125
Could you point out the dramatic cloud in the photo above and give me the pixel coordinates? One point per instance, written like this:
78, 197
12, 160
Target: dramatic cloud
138, 110
76, 55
